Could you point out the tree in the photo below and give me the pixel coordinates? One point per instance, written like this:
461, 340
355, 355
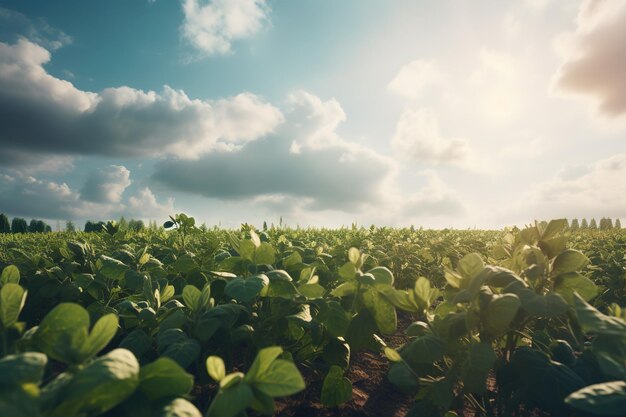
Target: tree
574, 225
618, 224
37, 226
122, 224
584, 224
69, 226
5, 227
89, 226
593, 224
19, 225
48, 228
135, 225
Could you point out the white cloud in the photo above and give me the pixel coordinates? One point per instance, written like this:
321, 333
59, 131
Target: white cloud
435, 199
595, 56
414, 77
119, 121
418, 137
497, 84
537, 5
106, 185
596, 190
145, 206
524, 145
212, 26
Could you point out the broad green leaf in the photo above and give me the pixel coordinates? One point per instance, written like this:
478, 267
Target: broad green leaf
401, 376
232, 401
254, 238
244, 290
382, 275
282, 378
293, 259
476, 367
552, 247
112, 268
344, 289
22, 368
336, 388
246, 250
470, 265
312, 291
178, 407
262, 361
215, 367
382, 310
12, 299
604, 399
164, 378
425, 349
191, 297
137, 342
103, 331
265, 254
592, 321
63, 332
500, 312
392, 354
184, 352
424, 293
568, 283
10, 274
334, 318
354, 255
100, 386
554, 228
347, 272
569, 260
185, 264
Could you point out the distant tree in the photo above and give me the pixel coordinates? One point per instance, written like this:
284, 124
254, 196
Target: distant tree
5, 227
48, 228
593, 224
618, 224
609, 223
37, 226
19, 225
122, 224
89, 226
264, 226
584, 224
135, 225
69, 226
574, 225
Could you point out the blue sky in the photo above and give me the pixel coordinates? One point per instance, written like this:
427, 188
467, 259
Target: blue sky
437, 114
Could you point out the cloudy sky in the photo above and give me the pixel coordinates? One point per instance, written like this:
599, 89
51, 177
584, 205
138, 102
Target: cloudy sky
433, 113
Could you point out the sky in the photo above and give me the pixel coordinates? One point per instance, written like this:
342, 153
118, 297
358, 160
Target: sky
448, 113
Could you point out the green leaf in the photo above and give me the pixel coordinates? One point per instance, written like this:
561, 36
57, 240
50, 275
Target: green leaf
382, 310
246, 250
184, 352
345, 289
470, 265
334, 318
569, 260
22, 368
215, 367
554, 228
392, 354
500, 312
553, 247
354, 255
102, 333
336, 388
604, 399
403, 377
63, 333
592, 321
262, 361
164, 378
568, 283
112, 268
282, 378
312, 291
425, 349
382, 275
424, 293
347, 272
12, 299
191, 297
185, 264
244, 290
100, 386
10, 274
477, 366
178, 407
232, 401
265, 254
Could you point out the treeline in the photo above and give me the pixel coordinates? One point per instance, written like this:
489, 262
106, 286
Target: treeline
121, 224
605, 224
20, 225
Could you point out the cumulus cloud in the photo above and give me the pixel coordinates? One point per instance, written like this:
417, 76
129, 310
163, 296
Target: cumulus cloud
212, 26
106, 185
29, 196
435, 199
418, 137
414, 77
598, 189
595, 62
42, 114
326, 171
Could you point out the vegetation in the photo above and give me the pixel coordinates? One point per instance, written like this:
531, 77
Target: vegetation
183, 321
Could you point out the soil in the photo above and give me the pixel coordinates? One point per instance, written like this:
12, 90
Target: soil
372, 393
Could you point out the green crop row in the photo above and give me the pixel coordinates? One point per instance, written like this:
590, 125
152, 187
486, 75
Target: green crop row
189, 322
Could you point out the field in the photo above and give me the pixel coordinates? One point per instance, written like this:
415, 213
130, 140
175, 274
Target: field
185, 321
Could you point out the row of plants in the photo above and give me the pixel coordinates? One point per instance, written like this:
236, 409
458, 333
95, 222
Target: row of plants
190, 322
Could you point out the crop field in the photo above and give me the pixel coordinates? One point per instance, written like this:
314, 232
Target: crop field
188, 322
